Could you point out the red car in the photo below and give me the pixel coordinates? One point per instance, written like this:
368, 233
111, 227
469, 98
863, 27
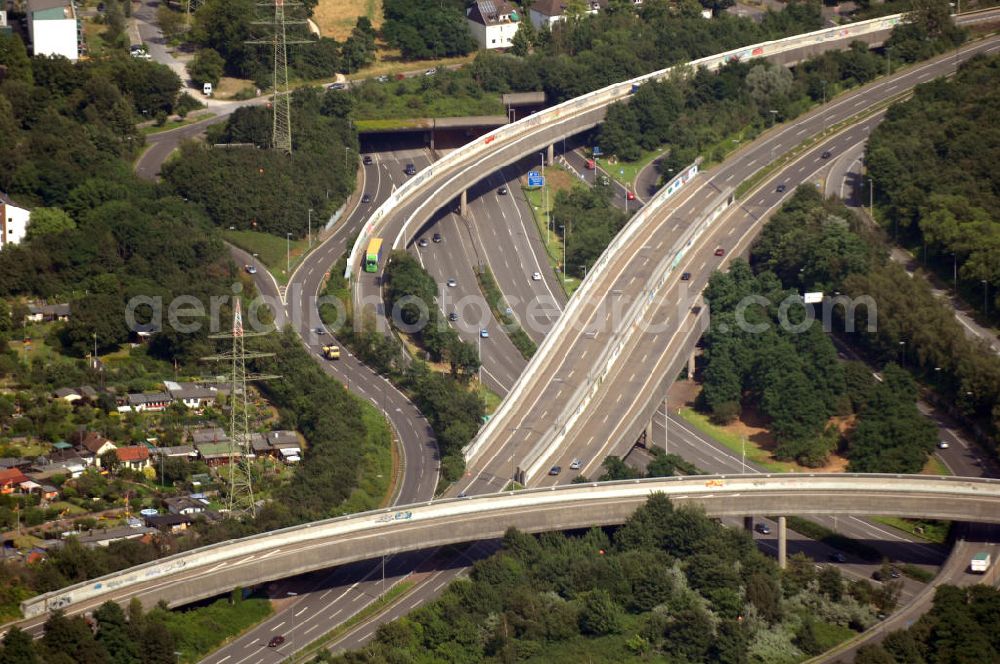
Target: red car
720, 252
276, 641
629, 196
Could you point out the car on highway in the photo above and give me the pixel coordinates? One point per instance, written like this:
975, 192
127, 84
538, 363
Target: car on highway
452, 283
410, 169
453, 316
781, 189
686, 276
321, 331
825, 155
762, 528
943, 445
629, 196
720, 252
502, 191
437, 237
555, 470
576, 464
422, 242
275, 641
536, 276
837, 557
484, 333
366, 160
366, 198
250, 269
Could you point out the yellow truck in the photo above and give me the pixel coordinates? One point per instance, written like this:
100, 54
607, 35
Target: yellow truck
331, 352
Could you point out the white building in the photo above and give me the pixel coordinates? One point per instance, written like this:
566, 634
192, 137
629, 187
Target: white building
550, 12
54, 28
493, 23
13, 221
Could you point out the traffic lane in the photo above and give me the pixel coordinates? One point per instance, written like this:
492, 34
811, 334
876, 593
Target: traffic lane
432, 579
450, 261
263, 282
578, 161
845, 177
508, 238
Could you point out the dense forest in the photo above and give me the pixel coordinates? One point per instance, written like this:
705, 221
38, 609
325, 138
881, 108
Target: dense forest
813, 245
934, 163
251, 187
959, 629
588, 221
671, 584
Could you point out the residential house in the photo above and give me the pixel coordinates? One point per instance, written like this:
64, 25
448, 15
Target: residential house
186, 452
184, 505
283, 445
13, 221
133, 457
83, 457
105, 536
54, 28
218, 454
493, 23
208, 435
150, 401
170, 523
11, 479
74, 394
46, 313
22, 463
45, 470
5, 27
549, 12
192, 395
97, 445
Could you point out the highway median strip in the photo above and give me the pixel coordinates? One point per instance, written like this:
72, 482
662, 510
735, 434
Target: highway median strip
391, 597
498, 305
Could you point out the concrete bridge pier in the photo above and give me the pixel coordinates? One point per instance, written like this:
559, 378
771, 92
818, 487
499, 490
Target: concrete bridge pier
748, 523
782, 543
690, 366
463, 203
550, 154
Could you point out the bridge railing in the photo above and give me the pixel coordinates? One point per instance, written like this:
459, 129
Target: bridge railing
218, 555
588, 102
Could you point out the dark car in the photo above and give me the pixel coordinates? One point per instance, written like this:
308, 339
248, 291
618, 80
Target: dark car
720, 252
762, 529
838, 557
686, 276
366, 199
275, 641
502, 191
437, 237
780, 189
453, 316
555, 470
410, 169
825, 155
337, 86
366, 160
422, 242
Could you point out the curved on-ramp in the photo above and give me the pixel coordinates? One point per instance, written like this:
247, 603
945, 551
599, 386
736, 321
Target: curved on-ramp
216, 569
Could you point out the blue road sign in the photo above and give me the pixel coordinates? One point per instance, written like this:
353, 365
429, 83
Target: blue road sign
535, 180
597, 151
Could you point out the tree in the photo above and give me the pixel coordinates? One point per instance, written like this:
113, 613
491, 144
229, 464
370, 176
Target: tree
207, 66
359, 49
113, 634
14, 56
763, 592
18, 648
523, 39
600, 615
158, 644
46, 221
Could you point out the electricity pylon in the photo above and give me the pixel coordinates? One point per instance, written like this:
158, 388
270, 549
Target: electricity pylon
240, 500
281, 137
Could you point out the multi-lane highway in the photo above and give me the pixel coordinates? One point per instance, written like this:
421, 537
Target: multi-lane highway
648, 363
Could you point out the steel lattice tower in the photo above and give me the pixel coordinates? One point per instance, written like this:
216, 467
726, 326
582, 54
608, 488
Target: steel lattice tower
240, 500
281, 136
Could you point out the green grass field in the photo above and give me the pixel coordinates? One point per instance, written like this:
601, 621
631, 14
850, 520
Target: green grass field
754, 453
271, 250
375, 474
201, 630
552, 241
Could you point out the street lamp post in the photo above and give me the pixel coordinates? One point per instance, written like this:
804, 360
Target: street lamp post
902, 353
309, 227
743, 453
871, 197
563, 229
888, 60
986, 291
774, 116
255, 261
954, 270
288, 253
824, 91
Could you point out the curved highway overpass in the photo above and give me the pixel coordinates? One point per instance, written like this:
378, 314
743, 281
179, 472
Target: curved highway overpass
216, 569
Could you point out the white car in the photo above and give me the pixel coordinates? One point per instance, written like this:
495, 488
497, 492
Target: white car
452, 283
943, 445
536, 276
576, 465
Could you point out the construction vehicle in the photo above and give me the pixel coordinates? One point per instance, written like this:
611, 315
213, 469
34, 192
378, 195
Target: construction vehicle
331, 352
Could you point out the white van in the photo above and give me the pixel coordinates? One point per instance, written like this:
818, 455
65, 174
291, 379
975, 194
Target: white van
207, 89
